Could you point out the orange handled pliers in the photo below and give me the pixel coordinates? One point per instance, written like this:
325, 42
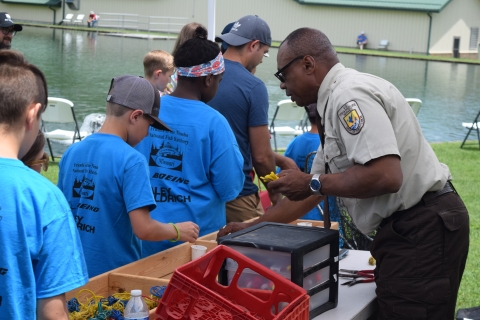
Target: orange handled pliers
359, 276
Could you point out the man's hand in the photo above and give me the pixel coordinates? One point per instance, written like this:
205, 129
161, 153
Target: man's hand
232, 227
293, 184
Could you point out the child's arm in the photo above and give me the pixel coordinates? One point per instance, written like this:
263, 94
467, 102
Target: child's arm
285, 162
54, 308
146, 228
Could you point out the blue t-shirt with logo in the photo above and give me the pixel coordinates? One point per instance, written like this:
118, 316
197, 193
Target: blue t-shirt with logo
298, 150
103, 179
243, 99
41, 255
194, 170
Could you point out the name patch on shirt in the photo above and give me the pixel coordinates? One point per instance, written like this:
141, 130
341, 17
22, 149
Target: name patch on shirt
351, 117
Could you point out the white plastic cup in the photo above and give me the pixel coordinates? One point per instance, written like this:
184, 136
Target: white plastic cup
304, 224
198, 251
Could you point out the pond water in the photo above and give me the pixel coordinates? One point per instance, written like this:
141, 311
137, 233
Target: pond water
79, 66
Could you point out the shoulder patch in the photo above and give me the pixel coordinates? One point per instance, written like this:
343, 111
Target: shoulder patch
351, 117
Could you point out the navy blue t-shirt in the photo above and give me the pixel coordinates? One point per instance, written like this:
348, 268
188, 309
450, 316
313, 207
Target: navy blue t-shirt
242, 99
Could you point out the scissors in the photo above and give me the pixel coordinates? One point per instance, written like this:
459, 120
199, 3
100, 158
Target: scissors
359, 276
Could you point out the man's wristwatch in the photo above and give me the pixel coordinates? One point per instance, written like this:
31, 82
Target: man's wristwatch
316, 185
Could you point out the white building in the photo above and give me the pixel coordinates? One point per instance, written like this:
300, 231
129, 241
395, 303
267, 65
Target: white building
439, 27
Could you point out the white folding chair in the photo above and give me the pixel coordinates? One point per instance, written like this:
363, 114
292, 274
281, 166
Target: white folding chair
60, 111
383, 45
475, 125
415, 104
79, 19
287, 111
68, 18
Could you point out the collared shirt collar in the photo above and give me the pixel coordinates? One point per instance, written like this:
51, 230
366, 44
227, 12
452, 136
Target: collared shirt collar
325, 88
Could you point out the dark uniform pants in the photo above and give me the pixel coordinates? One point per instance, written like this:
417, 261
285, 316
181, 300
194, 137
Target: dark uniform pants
421, 254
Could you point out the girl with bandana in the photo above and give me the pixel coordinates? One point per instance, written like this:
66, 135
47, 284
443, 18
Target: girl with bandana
196, 168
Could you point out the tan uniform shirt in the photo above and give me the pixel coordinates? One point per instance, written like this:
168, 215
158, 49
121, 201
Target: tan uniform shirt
365, 118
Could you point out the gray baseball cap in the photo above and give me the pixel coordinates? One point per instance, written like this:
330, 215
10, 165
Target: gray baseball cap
138, 94
246, 29
6, 21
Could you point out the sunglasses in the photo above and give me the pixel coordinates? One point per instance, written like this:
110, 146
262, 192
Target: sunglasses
43, 161
6, 31
279, 74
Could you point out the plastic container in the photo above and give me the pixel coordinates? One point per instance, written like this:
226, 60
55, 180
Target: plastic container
136, 308
306, 256
194, 293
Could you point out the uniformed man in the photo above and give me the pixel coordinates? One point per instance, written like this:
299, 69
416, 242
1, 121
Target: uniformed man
375, 158
9, 29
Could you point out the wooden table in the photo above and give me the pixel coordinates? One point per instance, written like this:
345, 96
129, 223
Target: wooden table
357, 302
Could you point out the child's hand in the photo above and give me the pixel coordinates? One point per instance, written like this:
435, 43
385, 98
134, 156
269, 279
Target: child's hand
188, 231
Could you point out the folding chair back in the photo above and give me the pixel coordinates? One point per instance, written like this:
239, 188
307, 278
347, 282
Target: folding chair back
415, 104
79, 19
60, 111
287, 111
383, 44
68, 18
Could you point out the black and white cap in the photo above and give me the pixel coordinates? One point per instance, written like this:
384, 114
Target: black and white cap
138, 94
6, 21
246, 29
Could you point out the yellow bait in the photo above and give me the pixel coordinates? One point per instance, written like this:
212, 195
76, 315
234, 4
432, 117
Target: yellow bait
269, 177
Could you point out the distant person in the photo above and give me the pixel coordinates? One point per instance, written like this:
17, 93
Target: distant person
243, 99
362, 40
224, 45
197, 167
36, 158
92, 19
187, 33
107, 185
41, 254
9, 30
158, 68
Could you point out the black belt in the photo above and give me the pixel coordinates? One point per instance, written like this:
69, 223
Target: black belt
427, 199
446, 189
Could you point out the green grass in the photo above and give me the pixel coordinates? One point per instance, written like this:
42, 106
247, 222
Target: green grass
463, 164
52, 172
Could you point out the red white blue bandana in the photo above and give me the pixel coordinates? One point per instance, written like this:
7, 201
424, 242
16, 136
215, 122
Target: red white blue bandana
215, 66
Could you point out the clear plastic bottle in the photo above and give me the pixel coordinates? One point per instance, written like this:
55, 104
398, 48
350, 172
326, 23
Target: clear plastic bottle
136, 308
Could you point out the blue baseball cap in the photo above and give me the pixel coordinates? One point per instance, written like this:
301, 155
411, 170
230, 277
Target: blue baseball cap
225, 30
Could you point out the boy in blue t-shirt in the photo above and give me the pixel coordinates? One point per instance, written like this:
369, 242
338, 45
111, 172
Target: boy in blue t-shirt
41, 255
107, 184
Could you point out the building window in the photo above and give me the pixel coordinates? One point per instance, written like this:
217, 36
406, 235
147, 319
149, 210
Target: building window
473, 38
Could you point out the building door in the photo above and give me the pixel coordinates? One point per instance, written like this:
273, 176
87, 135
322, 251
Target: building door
456, 47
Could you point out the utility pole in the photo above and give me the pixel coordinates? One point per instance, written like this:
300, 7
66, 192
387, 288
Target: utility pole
211, 20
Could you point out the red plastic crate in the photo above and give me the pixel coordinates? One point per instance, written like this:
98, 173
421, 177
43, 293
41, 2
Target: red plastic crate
194, 293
